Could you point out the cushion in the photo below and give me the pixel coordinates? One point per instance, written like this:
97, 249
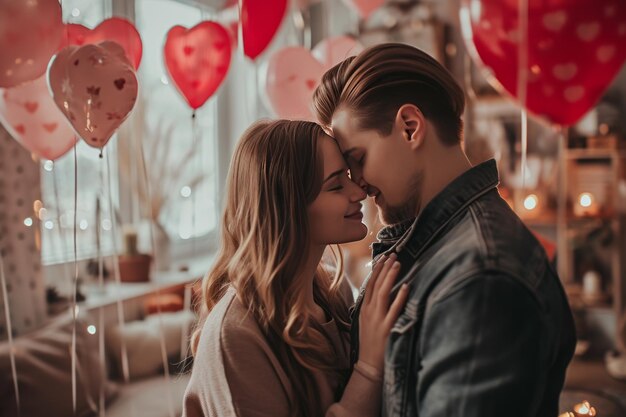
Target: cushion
143, 342
150, 397
43, 366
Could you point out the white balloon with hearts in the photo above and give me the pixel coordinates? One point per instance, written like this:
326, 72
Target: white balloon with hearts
32, 118
291, 75
95, 86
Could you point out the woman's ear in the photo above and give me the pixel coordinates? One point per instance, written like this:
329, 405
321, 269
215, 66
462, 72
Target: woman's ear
411, 122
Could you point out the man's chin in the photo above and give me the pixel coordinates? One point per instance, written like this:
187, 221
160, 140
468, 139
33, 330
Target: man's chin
389, 216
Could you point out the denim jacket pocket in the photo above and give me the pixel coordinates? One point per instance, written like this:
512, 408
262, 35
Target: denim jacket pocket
399, 360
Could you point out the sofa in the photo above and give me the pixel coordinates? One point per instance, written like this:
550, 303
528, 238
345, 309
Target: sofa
43, 367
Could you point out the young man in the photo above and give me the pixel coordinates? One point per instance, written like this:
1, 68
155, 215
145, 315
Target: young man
487, 330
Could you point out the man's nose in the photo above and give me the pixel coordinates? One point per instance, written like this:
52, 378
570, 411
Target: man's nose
363, 184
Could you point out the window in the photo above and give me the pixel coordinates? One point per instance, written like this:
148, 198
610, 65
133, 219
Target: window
183, 178
183, 170
56, 210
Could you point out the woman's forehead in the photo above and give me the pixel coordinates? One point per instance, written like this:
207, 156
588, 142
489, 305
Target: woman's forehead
331, 155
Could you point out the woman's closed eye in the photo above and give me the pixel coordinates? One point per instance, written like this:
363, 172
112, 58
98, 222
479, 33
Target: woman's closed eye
337, 182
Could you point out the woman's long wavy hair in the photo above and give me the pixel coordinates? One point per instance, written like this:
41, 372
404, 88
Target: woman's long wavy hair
275, 174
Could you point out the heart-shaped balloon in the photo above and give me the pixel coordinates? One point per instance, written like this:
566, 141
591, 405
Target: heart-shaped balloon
575, 48
260, 19
197, 60
293, 73
332, 51
292, 76
30, 33
95, 87
365, 7
30, 115
114, 29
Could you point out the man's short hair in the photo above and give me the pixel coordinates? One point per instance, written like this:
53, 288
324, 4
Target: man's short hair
377, 82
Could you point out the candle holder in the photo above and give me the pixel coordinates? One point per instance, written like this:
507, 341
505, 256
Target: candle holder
583, 409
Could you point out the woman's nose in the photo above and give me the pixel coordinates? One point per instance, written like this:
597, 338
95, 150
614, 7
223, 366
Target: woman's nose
357, 191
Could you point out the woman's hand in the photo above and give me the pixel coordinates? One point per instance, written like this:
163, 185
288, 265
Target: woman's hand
379, 312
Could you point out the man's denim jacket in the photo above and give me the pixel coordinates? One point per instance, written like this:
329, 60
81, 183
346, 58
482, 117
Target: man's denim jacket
487, 329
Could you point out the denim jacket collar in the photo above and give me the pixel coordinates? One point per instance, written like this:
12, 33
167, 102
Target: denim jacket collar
414, 235
395, 231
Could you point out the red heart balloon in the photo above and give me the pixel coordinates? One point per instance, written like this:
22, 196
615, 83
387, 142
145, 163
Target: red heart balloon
30, 33
197, 60
114, 29
575, 50
260, 20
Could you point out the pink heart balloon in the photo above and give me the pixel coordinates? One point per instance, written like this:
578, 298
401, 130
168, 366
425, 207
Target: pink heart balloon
332, 51
30, 33
365, 7
30, 115
95, 86
292, 75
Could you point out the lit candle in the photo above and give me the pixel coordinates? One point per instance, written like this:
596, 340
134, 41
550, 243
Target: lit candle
584, 409
586, 205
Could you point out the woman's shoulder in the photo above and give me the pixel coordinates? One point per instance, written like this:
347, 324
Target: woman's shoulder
229, 323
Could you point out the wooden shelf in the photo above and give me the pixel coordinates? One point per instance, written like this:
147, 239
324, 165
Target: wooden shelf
587, 153
163, 281
572, 221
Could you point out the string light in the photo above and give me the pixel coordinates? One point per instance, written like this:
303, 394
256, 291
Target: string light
91, 329
28, 222
530, 202
185, 191
585, 199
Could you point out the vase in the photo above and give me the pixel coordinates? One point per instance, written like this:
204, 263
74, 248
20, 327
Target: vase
162, 249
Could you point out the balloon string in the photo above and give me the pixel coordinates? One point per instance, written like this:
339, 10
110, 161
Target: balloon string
144, 169
116, 273
75, 286
63, 244
308, 34
255, 90
249, 93
524, 125
100, 329
522, 81
7, 314
74, 306
561, 222
196, 145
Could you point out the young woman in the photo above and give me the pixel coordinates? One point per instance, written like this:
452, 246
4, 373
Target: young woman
275, 337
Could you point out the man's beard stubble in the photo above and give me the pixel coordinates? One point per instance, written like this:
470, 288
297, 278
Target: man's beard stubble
406, 210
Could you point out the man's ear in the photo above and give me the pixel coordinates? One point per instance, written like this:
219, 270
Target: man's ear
411, 122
